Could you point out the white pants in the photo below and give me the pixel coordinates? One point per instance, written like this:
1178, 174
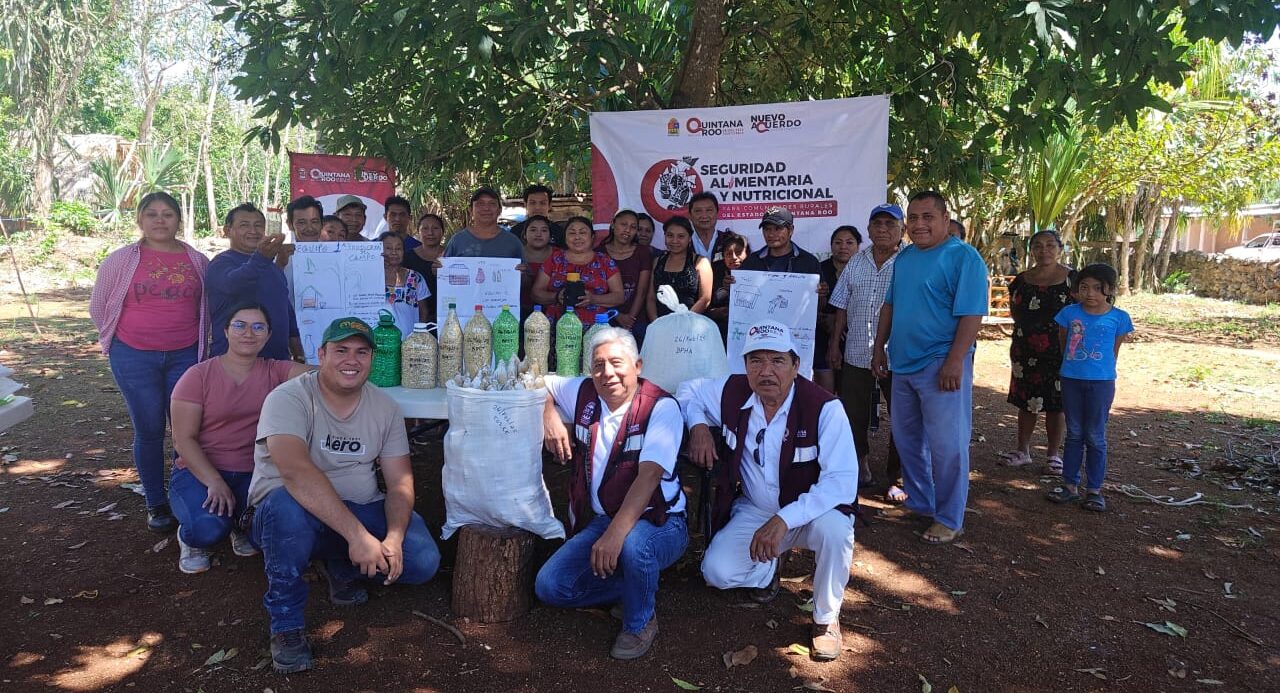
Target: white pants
727, 563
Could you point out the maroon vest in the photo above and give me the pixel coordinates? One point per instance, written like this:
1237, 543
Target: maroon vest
624, 458
798, 467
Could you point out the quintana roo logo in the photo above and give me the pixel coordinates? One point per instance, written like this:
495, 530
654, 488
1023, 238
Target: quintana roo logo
668, 186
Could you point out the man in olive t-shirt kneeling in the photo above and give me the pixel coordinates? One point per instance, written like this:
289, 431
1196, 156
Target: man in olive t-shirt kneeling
314, 493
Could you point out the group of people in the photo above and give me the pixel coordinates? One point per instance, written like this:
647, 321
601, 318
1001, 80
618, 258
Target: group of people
280, 458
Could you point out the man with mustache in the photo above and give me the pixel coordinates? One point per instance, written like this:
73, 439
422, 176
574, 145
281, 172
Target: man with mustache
786, 475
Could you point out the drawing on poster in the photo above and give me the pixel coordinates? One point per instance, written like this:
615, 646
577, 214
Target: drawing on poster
338, 280
471, 281
790, 299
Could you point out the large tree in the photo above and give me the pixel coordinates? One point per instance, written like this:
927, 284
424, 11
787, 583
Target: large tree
503, 88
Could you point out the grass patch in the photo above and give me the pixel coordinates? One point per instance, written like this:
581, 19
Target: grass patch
1205, 317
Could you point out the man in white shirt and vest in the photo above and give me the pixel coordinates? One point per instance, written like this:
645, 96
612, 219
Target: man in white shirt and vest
786, 475
626, 507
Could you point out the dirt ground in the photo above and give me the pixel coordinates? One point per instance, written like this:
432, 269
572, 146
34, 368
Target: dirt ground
1146, 597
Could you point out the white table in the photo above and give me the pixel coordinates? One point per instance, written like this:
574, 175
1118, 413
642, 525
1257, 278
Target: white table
420, 404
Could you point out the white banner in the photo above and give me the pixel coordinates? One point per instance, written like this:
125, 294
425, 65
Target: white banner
825, 161
782, 297
335, 280
491, 282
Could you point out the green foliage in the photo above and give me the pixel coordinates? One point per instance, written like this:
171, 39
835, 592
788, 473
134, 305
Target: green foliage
442, 87
75, 217
112, 184
1177, 282
159, 169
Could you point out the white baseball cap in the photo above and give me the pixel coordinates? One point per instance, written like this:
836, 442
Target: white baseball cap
769, 336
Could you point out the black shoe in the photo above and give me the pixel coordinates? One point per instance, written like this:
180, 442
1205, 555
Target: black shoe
764, 595
350, 593
160, 519
290, 652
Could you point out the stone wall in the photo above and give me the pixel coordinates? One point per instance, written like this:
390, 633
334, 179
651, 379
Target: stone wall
1236, 280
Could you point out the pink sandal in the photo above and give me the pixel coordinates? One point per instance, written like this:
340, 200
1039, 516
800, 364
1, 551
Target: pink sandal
1016, 458
1055, 464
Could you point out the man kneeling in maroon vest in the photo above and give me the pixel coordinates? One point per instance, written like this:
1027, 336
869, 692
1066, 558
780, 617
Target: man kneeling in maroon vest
626, 508
786, 476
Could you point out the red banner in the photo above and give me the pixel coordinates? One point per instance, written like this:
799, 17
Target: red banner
327, 177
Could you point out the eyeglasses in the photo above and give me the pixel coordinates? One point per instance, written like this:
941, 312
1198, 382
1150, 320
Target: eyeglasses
759, 442
240, 326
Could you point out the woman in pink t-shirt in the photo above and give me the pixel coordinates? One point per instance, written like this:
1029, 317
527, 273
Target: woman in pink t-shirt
215, 409
149, 307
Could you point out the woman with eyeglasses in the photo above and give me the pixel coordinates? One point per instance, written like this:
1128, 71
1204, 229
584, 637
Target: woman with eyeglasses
215, 408
152, 315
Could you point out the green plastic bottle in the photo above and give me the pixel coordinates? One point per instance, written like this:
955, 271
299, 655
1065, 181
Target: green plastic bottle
385, 370
568, 344
506, 335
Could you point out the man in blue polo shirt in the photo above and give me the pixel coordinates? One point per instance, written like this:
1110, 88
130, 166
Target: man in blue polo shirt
930, 320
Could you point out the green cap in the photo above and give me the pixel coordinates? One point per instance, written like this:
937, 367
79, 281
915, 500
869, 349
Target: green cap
342, 328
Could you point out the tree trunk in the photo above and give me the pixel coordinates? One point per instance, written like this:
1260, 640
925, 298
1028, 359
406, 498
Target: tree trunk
493, 577
1128, 208
203, 155
698, 81
1150, 214
1167, 241
42, 182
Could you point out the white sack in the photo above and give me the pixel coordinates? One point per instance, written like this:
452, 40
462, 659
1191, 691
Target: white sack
493, 462
682, 346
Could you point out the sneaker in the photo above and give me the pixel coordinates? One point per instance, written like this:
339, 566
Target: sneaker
634, 645
241, 546
160, 519
290, 652
192, 560
349, 593
826, 641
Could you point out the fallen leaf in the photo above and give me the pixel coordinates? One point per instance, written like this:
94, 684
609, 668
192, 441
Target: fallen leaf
1095, 673
817, 684
800, 578
771, 624
215, 658
10, 458
27, 600
1209, 574
806, 607
63, 504
160, 545
4, 509
51, 601
925, 686
799, 649
1211, 682
107, 508
1099, 570
86, 594
138, 651
1226, 588
685, 684
261, 663
740, 657
959, 593
1042, 622
1167, 604
73, 547
953, 689
1168, 628
1109, 618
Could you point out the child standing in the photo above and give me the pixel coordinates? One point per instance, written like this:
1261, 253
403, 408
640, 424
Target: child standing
1090, 332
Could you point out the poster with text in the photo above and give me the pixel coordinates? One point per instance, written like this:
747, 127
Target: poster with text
782, 297
825, 161
327, 177
335, 280
492, 282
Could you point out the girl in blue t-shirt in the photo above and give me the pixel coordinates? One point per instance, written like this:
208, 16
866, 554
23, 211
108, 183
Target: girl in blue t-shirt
1090, 332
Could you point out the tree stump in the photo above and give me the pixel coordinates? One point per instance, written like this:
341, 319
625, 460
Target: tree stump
493, 575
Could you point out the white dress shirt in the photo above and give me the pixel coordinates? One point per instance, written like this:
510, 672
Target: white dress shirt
837, 480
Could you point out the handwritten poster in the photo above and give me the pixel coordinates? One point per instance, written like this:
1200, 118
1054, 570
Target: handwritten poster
782, 297
492, 282
335, 280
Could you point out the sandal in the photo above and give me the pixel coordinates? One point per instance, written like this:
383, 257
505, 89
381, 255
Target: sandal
1093, 501
1016, 458
939, 533
1062, 495
1055, 465
895, 495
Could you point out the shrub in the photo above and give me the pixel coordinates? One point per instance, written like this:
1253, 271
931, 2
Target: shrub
75, 217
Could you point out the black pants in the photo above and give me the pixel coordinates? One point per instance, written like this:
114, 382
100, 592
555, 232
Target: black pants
856, 388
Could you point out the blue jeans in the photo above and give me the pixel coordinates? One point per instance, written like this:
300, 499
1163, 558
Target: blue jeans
931, 429
566, 579
197, 526
290, 537
146, 380
1087, 404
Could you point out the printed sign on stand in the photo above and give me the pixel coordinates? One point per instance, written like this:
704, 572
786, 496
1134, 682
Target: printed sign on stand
782, 297
335, 280
492, 282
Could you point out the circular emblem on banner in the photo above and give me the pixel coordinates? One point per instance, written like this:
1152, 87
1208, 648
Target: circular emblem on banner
668, 186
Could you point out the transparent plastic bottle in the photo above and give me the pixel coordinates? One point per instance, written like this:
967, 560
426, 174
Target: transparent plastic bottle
568, 344
506, 335
450, 346
602, 321
477, 343
419, 358
537, 340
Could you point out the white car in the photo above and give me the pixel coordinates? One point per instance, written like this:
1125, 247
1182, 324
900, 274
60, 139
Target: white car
1263, 248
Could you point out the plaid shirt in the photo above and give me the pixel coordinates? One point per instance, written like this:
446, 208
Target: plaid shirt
860, 292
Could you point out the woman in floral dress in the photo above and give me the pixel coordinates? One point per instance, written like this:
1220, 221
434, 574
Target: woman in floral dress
1035, 296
